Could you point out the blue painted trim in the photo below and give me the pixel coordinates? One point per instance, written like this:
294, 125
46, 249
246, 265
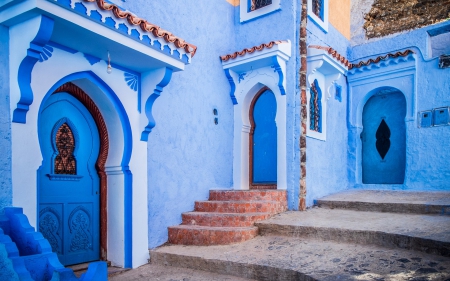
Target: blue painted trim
121, 28
128, 203
79, 7
439, 30
277, 68
96, 16
110, 22
151, 99
128, 147
241, 77
139, 94
62, 47
46, 53
26, 67
135, 34
339, 92
91, 59
233, 86
131, 80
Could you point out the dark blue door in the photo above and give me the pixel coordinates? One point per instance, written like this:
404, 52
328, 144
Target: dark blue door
384, 139
68, 183
264, 140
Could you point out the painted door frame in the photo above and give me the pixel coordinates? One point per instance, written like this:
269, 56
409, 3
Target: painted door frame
397, 136
250, 147
92, 108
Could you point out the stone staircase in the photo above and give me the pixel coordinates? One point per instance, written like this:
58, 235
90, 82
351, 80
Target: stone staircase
227, 217
353, 235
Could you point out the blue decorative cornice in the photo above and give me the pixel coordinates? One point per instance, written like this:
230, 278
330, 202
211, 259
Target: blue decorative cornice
160, 39
132, 81
91, 59
232, 84
35, 53
277, 68
257, 61
151, 99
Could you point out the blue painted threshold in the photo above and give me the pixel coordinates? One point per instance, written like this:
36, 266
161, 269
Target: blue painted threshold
26, 255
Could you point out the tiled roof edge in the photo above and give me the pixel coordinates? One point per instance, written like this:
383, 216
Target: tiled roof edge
334, 54
146, 26
379, 58
251, 50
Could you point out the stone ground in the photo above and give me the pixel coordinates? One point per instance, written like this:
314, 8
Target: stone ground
354, 235
288, 258
170, 273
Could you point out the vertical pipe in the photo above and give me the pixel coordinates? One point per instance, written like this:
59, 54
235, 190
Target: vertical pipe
303, 106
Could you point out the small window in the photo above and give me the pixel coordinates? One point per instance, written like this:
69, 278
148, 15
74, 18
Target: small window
317, 8
318, 13
315, 107
251, 9
257, 4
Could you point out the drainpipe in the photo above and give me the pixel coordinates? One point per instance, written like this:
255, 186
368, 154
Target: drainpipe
303, 106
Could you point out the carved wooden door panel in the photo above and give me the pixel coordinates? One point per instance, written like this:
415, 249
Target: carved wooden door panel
68, 183
263, 141
384, 139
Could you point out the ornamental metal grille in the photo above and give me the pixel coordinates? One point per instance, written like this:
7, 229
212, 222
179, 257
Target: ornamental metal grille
315, 111
65, 162
256, 4
317, 7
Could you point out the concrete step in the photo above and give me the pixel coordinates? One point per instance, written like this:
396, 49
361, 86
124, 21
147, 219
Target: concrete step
248, 195
292, 258
208, 235
272, 207
389, 201
223, 219
426, 233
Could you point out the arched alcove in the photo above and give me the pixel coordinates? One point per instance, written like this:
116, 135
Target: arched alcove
383, 138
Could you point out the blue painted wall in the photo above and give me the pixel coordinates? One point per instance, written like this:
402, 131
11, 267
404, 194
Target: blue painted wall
5, 125
427, 147
326, 175
283, 24
188, 153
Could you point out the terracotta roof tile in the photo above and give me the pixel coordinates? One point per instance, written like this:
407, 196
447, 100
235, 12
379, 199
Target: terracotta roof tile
146, 26
251, 50
334, 54
380, 58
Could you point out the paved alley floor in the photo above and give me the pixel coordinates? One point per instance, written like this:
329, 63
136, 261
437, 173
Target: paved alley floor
169, 273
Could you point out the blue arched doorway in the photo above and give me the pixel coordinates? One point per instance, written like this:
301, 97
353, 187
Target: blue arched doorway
72, 180
263, 141
384, 138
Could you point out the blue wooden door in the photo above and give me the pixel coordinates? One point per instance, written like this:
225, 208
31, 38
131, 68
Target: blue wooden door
264, 154
384, 139
68, 183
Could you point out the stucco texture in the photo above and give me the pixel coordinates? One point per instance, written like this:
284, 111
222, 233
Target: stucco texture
326, 161
188, 154
427, 166
5, 127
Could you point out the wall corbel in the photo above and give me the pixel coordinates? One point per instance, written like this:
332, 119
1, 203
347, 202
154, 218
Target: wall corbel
166, 76
34, 52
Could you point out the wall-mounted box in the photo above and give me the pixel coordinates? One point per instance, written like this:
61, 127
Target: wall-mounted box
441, 116
425, 119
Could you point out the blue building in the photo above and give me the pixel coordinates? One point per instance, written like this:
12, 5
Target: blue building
117, 116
